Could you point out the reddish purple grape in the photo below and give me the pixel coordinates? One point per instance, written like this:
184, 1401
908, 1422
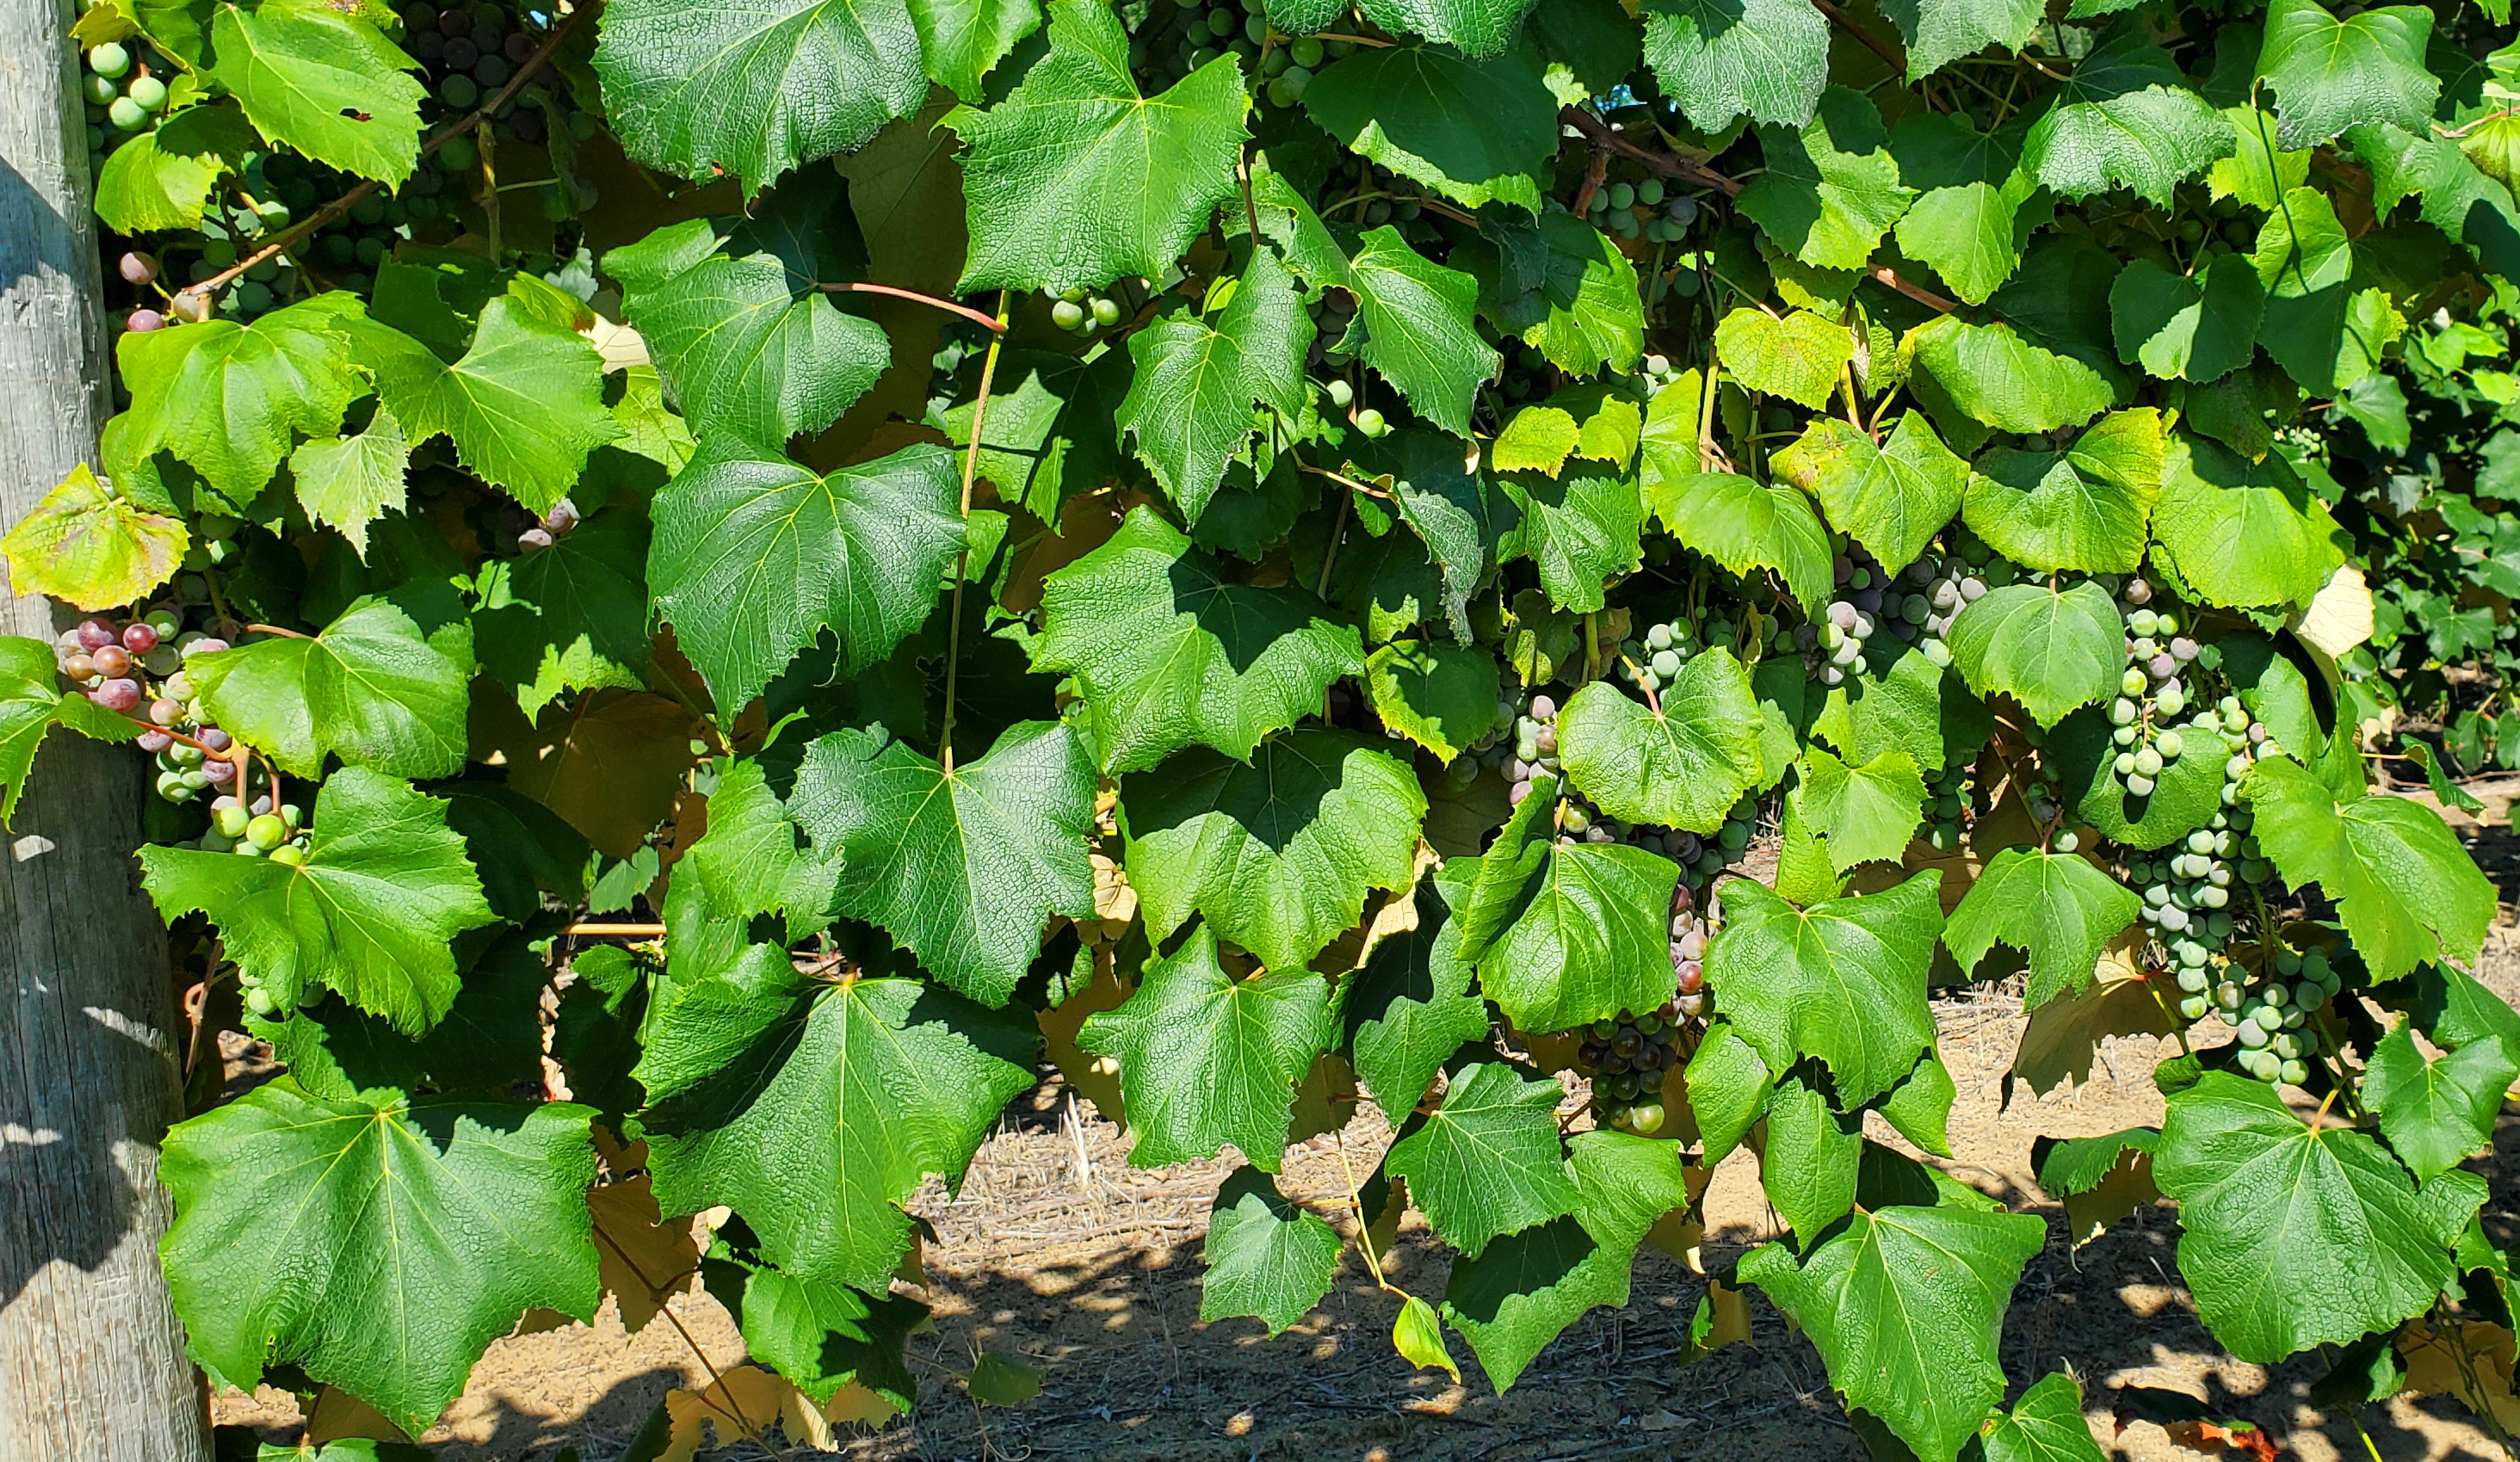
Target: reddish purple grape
141, 321
140, 637
155, 741
117, 695
110, 660
207, 645
80, 667
216, 739
164, 712
219, 770
534, 538
96, 633
519, 47
138, 268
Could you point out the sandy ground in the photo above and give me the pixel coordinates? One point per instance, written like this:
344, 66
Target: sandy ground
1057, 1252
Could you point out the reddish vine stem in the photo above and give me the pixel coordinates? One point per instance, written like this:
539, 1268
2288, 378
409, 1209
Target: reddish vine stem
860, 286
273, 629
1603, 134
1873, 43
1913, 290
963, 562
336, 208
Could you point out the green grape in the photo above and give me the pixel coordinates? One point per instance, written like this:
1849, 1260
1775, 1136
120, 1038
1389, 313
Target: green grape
1066, 314
148, 92
126, 115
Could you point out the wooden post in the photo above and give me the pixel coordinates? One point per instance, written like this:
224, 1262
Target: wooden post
92, 1361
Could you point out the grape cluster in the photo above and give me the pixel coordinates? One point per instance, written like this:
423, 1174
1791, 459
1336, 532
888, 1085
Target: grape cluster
124, 85
1626, 1060
1916, 605
467, 52
1654, 659
1086, 314
137, 670
2153, 696
1287, 69
539, 533
1643, 208
2272, 1007
1947, 802
1526, 372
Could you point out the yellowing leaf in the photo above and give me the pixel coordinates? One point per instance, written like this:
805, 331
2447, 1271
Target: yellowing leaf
85, 545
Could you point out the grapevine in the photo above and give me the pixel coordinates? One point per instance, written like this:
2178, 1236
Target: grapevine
1553, 565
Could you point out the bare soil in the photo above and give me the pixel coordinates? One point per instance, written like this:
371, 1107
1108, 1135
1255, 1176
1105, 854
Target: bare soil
1058, 1253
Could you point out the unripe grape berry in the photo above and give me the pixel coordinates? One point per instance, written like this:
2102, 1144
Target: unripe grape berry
109, 60
289, 853
1106, 311
148, 92
266, 832
1067, 315
1371, 423
126, 115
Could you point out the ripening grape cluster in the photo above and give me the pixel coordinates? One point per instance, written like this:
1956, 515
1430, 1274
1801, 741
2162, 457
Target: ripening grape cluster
124, 85
534, 533
1915, 606
1627, 1060
1947, 801
1643, 208
2153, 696
2272, 1007
1652, 660
135, 669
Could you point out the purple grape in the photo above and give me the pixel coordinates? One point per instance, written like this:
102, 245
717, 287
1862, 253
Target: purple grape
141, 321
155, 741
140, 637
1543, 708
1869, 601
164, 712
533, 538
461, 53
96, 633
561, 518
137, 268
519, 47
214, 739
117, 695
219, 770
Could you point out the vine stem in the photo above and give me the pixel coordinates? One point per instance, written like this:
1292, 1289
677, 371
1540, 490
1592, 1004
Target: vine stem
1873, 43
624, 931
1364, 1230
273, 629
1350, 484
336, 208
1602, 134
963, 562
861, 287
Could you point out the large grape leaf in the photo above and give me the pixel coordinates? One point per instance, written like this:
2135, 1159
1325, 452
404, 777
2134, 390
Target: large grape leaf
2055, 908
371, 689
962, 40
1906, 1306
741, 333
1487, 1161
1830, 189
1864, 812
1583, 528
2085, 508
2126, 117
2458, 199
2183, 329
1075, 179
226, 398
1810, 1157
1724, 59
377, 1243
1893, 497
383, 888
2242, 533
826, 1336
1843, 980
1579, 304
1414, 318
2437, 1112
1265, 1258
523, 407
91, 545
1411, 1008
326, 82
1441, 697
755, 89
1564, 932
751, 861
1737, 522
1798, 356
2082, 755
2297, 1234
1478, 131
755, 555
1996, 377
1976, 207
347, 482
1481, 27
2045, 1425
2407, 892
1189, 402
570, 617
965, 867
2330, 74
2051, 649
1275, 854
30, 706
815, 1110
1939, 32
1681, 765
162, 178
1249, 1041
1169, 654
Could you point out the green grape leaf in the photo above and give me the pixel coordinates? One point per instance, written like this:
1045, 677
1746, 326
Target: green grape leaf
2407, 892
1728, 1089
1416, 317
2085, 507
2050, 649
1976, 207
1564, 932
2126, 117
523, 407
962, 40
163, 177
519, 847
2437, 1113
2458, 199
1005, 832
755, 555
1251, 1042
30, 706
371, 688
1542, 436
1996, 377
2045, 1425
1830, 189
743, 334
1863, 812
226, 398
1582, 310
755, 91
816, 1110
1440, 696
326, 82
1276, 854
1049, 433
1906, 1306
2055, 908
1189, 402
569, 617
2241, 533
1681, 765
1481, 27
1939, 32
345, 483
1741, 523
1900, 706
2182, 329
1076, 129
1799, 357
369, 912
1844, 981
1168, 654
490, 1039
1809, 1162
88, 544
1722, 59
2295, 1235
1487, 1162
1583, 528
750, 859
2260, 173
377, 1243
2330, 74
1891, 498
1476, 131
1412, 1007
1265, 1258
825, 1336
